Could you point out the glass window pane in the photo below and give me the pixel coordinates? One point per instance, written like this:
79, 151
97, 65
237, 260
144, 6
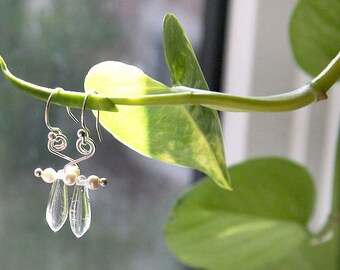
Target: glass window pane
54, 43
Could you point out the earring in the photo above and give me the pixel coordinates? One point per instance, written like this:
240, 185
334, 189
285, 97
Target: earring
57, 206
80, 209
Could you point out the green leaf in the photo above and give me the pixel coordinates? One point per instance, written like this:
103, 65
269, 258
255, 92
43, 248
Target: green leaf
258, 224
186, 71
325, 255
309, 257
180, 56
315, 33
183, 135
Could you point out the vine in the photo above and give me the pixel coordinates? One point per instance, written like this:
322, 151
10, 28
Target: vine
314, 91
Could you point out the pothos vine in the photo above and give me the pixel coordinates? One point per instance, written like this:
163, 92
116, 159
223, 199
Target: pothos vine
312, 92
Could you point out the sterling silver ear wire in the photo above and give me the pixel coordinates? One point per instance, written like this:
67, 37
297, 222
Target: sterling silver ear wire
80, 208
57, 206
82, 117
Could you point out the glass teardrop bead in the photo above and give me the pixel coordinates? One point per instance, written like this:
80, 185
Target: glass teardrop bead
80, 210
57, 206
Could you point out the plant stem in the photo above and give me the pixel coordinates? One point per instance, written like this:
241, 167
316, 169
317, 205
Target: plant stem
332, 227
312, 92
336, 200
328, 76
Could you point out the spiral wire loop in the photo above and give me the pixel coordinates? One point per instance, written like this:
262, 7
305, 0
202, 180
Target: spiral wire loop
85, 145
57, 141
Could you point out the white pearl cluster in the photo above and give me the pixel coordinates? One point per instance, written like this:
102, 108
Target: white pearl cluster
70, 176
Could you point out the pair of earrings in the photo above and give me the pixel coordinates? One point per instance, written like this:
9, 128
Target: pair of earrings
58, 209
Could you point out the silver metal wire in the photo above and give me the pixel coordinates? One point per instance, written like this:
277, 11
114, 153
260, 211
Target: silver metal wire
68, 109
85, 145
58, 144
47, 111
57, 141
99, 132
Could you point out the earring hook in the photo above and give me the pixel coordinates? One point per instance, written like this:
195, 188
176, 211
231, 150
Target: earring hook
69, 112
47, 111
57, 141
85, 145
99, 133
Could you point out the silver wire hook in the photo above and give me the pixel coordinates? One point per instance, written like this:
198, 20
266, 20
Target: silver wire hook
57, 141
47, 111
85, 145
69, 112
99, 133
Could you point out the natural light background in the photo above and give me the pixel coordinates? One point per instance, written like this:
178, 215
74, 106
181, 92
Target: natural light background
55, 43
259, 62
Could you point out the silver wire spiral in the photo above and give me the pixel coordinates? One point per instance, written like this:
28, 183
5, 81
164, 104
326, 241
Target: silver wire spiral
85, 145
56, 143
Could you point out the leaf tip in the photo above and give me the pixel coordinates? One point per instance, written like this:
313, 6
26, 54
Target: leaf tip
225, 184
2, 63
168, 16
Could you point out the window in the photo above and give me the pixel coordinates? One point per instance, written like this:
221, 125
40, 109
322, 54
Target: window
54, 43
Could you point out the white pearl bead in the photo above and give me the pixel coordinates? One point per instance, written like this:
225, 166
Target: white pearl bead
49, 175
72, 169
93, 182
70, 178
60, 174
81, 180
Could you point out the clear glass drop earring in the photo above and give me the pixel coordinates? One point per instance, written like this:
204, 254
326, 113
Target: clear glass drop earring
80, 208
57, 206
